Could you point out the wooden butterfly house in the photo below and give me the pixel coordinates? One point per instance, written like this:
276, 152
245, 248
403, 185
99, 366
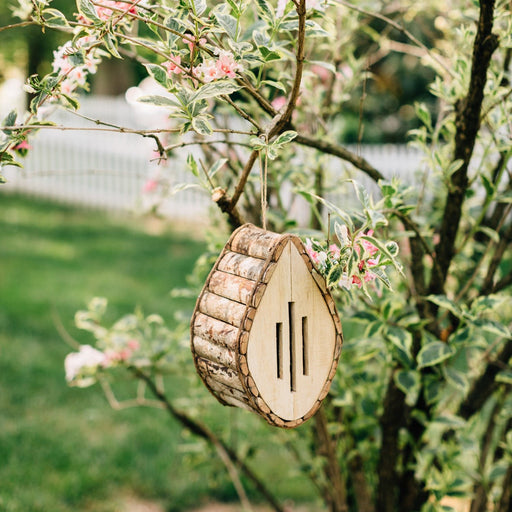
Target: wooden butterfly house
265, 332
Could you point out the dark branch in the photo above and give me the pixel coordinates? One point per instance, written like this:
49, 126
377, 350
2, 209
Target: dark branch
467, 123
485, 385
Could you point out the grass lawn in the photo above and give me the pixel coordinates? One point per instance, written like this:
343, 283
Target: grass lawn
65, 449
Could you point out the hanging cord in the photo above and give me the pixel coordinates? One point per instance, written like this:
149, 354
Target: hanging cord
263, 185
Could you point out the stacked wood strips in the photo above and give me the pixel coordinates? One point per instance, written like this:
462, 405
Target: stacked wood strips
224, 314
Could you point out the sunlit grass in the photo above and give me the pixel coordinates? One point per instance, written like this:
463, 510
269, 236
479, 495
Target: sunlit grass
64, 449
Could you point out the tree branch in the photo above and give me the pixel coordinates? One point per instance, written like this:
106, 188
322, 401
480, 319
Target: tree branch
467, 123
340, 152
201, 430
391, 421
336, 490
485, 385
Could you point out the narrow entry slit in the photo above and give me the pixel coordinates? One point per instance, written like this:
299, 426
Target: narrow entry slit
292, 345
305, 346
279, 349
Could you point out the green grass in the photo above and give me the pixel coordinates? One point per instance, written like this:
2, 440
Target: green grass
65, 449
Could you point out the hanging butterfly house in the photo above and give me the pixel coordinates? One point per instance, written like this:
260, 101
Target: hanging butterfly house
265, 332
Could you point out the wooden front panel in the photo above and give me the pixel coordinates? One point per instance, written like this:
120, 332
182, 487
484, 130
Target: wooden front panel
291, 344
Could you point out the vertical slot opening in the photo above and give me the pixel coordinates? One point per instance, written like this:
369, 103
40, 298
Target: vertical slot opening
292, 345
305, 346
279, 349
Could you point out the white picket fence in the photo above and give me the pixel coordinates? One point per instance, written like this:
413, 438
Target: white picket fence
108, 170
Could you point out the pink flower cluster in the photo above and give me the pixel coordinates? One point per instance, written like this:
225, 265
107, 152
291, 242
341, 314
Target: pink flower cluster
74, 76
81, 366
224, 66
328, 258
106, 9
122, 354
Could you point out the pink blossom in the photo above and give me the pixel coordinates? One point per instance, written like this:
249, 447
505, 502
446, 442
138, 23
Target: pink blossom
207, 71
372, 262
335, 251
320, 72
67, 86
23, 145
279, 102
356, 280
369, 276
281, 6
150, 186
115, 356
105, 11
226, 64
173, 65
318, 5
368, 246
192, 44
133, 344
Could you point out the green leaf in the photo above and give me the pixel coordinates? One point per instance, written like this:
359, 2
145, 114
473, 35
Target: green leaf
384, 250
382, 277
489, 186
423, 114
159, 101
400, 338
176, 25
192, 165
269, 55
313, 199
453, 167
77, 58
457, 379
266, 9
180, 187
111, 45
434, 353
72, 102
228, 23
54, 18
158, 73
10, 120
361, 194
260, 38
276, 85
409, 382
216, 167
491, 233
213, 89
199, 6
201, 126
505, 376
334, 275
313, 29
492, 327
285, 138
451, 420
87, 10
257, 143
445, 303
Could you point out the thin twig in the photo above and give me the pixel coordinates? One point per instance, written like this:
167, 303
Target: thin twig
401, 29
18, 25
